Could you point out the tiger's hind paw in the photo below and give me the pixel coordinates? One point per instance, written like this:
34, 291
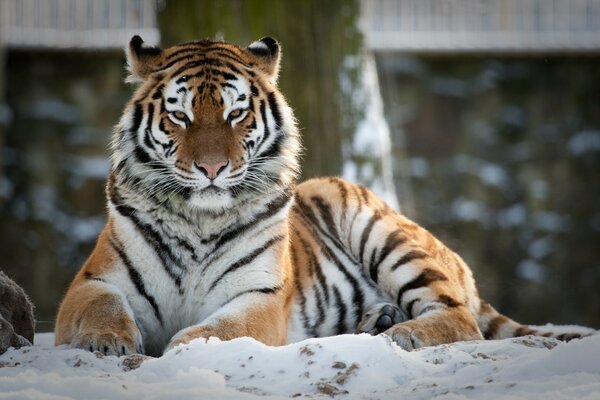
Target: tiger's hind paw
407, 337
380, 318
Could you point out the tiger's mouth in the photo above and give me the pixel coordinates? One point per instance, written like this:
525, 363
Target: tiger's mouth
210, 198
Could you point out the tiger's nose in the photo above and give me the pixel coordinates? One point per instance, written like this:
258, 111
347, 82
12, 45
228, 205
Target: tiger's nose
211, 170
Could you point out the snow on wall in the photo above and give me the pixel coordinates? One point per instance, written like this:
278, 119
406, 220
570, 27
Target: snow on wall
372, 140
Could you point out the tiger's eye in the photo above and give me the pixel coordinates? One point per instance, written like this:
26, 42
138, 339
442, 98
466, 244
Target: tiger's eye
180, 115
235, 113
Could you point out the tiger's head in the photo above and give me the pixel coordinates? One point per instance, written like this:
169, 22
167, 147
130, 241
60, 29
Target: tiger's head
207, 125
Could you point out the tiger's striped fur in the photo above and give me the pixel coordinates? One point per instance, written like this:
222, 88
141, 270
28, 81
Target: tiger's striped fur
208, 234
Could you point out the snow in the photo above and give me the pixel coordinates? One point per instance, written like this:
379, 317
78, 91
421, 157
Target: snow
55, 110
531, 270
344, 367
583, 142
372, 141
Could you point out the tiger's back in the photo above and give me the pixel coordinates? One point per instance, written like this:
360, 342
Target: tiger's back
208, 234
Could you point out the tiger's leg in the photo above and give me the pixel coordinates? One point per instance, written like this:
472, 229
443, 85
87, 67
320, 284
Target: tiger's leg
260, 315
95, 316
431, 285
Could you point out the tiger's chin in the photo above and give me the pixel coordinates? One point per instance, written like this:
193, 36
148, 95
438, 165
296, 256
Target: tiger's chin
211, 199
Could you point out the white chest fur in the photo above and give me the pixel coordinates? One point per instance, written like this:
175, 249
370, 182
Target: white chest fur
186, 264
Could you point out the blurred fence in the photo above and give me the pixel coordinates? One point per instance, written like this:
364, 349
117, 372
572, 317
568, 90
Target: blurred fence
76, 23
482, 25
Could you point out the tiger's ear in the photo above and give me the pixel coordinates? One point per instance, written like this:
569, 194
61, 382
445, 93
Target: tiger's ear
267, 55
142, 60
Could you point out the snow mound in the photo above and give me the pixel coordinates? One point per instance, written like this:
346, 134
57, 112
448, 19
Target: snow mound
344, 367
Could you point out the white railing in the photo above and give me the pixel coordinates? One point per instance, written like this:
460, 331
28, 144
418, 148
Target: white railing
481, 25
76, 23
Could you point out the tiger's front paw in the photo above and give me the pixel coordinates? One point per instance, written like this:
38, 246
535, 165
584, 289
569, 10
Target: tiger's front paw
109, 343
186, 335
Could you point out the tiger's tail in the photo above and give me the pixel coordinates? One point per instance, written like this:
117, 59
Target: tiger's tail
494, 325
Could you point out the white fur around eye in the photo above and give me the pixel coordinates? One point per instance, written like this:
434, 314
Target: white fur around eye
232, 119
176, 120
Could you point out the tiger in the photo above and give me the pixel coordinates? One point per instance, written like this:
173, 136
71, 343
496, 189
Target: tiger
210, 234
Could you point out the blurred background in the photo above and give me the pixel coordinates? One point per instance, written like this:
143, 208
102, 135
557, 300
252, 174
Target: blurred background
479, 119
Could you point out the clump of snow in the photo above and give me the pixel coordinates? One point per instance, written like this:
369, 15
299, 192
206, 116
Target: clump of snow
583, 142
344, 367
419, 167
514, 215
531, 270
55, 110
490, 174
470, 210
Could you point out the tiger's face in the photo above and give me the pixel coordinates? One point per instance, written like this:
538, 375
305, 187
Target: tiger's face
207, 124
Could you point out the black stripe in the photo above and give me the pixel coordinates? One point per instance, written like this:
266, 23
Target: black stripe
158, 92
313, 222
195, 49
315, 266
315, 269
326, 216
89, 276
364, 192
148, 129
271, 209
449, 301
408, 257
245, 260
252, 126
230, 55
358, 211
120, 165
263, 114
494, 326
341, 308
409, 307
265, 290
524, 330
141, 155
391, 243
138, 115
299, 291
569, 336
365, 235
205, 57
274, 108
274, 149
344, 195
198, 63
136, 278
154, 239
372, 266
358, 295
320, 309
426, 277
229, 85
226, 75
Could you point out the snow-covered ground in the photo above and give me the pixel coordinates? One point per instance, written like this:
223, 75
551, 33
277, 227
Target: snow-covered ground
344, 367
